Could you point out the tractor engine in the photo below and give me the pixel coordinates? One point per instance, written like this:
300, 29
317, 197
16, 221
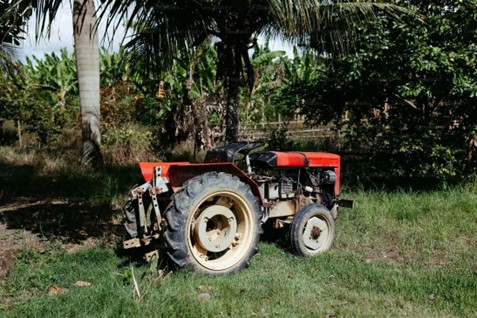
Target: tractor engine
290, 180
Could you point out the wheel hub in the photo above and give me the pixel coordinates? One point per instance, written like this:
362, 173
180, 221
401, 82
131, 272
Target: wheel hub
215, 228
315, 233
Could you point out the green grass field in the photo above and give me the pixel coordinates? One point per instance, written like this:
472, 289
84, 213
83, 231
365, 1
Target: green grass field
396, 254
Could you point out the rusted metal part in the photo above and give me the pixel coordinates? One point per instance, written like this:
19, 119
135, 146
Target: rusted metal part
149, 239
138, 242
149, 256
153, 191
303, 201
142, 212
283, 208
140, 189
135, 242
279, 223
236, 241
315, 232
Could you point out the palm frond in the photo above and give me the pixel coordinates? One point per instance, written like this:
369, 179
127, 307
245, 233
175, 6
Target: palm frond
7, 55
323, 25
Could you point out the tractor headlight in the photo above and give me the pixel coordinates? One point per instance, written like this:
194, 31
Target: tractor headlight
328, 177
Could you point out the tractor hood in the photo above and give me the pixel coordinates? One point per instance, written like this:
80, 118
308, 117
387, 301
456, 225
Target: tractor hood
276, 159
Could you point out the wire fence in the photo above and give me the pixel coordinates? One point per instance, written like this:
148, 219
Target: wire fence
294, 130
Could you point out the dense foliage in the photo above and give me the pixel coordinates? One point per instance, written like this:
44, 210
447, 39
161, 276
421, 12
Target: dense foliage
11, 30
166, 27
408, 92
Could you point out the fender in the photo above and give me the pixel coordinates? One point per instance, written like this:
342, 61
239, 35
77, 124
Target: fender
179, 172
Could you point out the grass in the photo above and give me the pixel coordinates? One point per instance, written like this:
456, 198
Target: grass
396, 254
277, 285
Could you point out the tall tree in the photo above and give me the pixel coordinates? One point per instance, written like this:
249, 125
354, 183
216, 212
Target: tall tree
87, 65
237, 23
87, 56
409, 89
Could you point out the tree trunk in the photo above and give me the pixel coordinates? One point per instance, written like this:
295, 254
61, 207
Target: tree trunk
232, 87
232, 110
87, 64
19, 130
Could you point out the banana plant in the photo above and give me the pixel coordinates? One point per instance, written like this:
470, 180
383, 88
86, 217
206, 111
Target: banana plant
305, 66
268, 78
114, 67
235, 24
53, 73
194, 93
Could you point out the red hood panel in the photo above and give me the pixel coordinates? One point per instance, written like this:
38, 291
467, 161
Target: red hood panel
315, 159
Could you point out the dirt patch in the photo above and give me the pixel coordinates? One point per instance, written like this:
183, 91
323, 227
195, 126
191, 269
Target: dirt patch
390, 254
43, 201
71, 223
30, 223
7, 258
11, 242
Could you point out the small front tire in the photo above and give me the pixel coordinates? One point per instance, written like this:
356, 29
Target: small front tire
313, 230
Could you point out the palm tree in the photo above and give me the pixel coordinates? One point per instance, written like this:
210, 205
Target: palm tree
87, 62
87, 65
237, 23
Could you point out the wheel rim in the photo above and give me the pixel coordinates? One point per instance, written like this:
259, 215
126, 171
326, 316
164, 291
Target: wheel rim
316, 234
220, 231
215, 228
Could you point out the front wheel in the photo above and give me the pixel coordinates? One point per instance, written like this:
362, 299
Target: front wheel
213, 224
312, 231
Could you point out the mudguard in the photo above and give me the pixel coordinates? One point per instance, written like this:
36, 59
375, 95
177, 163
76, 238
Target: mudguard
179, 172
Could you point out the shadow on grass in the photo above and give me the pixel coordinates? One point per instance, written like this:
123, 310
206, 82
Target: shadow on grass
71, 204
279, 237
71, 223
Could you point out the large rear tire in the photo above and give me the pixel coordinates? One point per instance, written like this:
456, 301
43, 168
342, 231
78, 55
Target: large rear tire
313, 230
213, 224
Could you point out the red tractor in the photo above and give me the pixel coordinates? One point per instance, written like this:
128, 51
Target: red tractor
209, 216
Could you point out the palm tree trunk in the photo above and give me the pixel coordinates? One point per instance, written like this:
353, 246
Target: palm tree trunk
232, 86
87, 64
232, 110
